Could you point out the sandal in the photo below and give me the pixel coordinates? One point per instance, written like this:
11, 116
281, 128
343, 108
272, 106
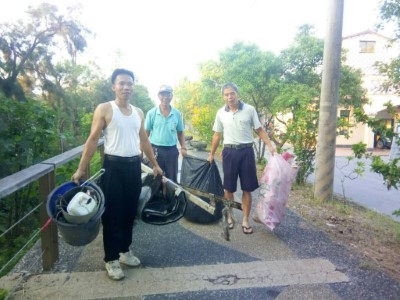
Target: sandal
247, 230
230, 225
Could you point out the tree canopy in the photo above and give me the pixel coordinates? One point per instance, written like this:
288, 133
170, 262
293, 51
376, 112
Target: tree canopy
38, 63
284, 89
28, 49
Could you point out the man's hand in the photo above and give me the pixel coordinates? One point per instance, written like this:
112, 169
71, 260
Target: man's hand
77, 176
210, 158
272, 151
157, 171
183, 152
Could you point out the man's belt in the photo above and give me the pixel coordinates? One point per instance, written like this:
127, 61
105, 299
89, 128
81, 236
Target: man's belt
163, 147
122, 158
239, 146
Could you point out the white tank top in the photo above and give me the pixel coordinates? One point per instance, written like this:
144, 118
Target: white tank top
122, 134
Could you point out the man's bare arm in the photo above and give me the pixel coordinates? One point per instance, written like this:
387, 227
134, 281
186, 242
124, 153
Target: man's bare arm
98, 123
263, 135
146, 146
214, 145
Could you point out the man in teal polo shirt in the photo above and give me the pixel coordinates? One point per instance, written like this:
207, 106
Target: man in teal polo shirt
164, 126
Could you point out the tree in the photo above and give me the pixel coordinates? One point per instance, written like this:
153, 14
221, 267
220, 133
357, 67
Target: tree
257, 74
28, 134
298, 99
254, 71
284, 89
199, 102
141, 98
390, 171
98, 91
390, 13
26, 48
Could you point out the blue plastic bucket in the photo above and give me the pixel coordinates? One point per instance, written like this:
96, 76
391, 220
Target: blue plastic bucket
75, 234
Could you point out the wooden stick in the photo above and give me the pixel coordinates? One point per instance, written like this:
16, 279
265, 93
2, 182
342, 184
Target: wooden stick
214, 198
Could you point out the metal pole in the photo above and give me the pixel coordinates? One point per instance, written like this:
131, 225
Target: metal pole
326, 141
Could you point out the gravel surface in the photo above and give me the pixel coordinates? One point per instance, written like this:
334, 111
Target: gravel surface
31, 263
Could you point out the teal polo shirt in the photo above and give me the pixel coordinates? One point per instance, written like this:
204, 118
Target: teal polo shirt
163, 130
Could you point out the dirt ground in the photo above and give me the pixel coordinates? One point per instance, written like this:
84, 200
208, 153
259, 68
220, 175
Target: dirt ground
363, 231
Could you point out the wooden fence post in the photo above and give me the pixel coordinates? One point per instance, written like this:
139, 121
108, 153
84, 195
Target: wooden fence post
49, 236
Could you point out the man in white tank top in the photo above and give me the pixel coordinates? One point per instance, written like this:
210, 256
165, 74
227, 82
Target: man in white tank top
122, 125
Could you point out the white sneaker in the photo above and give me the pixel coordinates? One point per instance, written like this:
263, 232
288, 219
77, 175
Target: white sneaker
129, 259
114, 270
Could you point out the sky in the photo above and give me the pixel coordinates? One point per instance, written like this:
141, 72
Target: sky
163, 41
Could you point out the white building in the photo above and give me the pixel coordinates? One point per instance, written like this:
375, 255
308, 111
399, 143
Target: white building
364, 49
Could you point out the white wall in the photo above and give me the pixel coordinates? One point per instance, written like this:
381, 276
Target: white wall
372, 80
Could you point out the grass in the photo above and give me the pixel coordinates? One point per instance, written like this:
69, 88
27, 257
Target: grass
375, 222
3, 294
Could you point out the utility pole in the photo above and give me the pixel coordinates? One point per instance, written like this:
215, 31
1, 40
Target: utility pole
326, 141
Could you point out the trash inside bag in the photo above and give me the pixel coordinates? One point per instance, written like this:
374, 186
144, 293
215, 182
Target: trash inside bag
157, 208
275, 184
199, 174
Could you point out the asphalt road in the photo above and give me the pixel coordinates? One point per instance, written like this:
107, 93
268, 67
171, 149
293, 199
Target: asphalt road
367, 190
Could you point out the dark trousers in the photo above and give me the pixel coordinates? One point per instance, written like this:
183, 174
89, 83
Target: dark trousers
121, 184
167, 158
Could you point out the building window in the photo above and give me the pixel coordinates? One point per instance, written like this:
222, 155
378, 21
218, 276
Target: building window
367, 46
345, 114
344, 122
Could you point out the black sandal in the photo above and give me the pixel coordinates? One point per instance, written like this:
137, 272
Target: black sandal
247, 230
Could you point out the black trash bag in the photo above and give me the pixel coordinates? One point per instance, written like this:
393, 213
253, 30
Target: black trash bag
150, 186
156, 209
199, 174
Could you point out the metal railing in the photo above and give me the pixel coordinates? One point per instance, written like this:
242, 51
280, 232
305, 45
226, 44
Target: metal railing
44, 173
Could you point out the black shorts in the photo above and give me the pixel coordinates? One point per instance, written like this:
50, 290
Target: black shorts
239, 163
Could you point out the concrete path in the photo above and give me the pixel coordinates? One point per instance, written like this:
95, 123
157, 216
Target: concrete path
184, 259
156, 281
